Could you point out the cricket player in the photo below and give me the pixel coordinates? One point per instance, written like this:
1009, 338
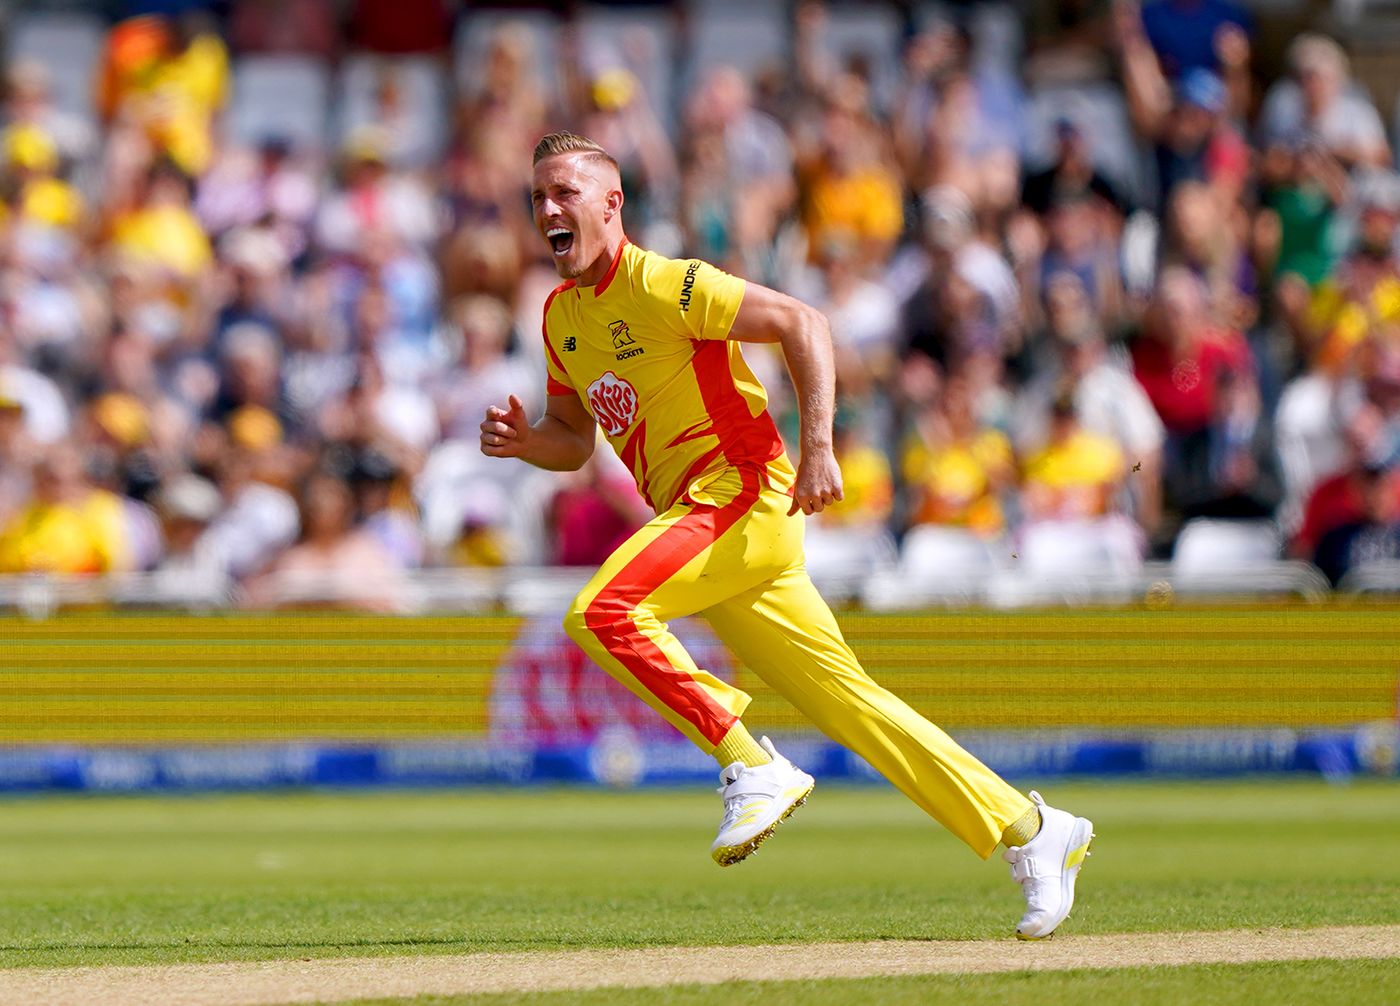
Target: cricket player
646, 348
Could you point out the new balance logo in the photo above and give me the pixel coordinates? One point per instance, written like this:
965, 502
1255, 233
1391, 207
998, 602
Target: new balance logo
570, 343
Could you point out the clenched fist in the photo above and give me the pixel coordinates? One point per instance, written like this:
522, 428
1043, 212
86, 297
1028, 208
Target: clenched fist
504, 432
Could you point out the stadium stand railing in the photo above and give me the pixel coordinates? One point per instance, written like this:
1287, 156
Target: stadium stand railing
541, 590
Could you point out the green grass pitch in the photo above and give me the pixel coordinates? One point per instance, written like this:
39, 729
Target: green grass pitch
205, 878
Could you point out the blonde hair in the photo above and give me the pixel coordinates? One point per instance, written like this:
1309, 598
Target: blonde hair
554, 144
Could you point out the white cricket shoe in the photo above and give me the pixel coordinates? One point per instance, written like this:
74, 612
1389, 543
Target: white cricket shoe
756, 800
1046, 867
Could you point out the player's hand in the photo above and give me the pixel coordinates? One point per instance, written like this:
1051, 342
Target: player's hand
818, 483
505, 431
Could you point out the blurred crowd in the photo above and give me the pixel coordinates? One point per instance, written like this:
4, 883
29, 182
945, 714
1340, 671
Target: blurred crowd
1089, 280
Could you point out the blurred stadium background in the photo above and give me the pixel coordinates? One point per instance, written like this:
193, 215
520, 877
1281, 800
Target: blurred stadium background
1115, 293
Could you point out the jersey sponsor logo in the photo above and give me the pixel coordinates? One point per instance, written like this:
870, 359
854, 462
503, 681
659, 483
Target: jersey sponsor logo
614, 403
688, 284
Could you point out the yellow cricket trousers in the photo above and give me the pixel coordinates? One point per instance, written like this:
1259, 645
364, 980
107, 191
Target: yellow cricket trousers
732, 554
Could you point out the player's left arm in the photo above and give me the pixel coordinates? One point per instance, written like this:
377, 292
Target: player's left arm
805, 336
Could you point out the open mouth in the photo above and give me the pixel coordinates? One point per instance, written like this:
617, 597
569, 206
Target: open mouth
561, 238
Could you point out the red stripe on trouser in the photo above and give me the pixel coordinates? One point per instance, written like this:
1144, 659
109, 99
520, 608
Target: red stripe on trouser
609, 614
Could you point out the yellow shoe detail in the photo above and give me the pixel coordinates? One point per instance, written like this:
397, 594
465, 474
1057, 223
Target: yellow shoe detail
1076, 856
730, 854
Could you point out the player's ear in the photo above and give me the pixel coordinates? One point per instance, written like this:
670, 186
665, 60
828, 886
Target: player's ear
612, 204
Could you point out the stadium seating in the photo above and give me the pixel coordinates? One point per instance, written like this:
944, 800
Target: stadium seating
287, 97
69, 45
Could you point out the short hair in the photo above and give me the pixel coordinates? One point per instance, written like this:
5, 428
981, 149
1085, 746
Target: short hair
554, 144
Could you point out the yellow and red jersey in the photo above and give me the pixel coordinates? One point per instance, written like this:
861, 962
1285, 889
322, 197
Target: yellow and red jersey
647, 351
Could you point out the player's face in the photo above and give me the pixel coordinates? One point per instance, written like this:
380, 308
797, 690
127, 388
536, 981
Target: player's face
573, 203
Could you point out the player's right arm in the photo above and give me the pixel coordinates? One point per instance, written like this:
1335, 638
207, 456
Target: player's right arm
562, 440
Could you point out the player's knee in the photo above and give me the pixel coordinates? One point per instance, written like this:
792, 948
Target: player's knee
592, 615
576, 619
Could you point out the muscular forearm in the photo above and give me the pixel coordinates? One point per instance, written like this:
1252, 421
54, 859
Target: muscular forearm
554, 446
811, 362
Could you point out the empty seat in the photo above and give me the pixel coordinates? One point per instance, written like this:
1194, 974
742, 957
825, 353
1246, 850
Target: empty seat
1208, 546
473, 40
840, 559
739, 33
280, 97
415, 122
69, 45
936, 563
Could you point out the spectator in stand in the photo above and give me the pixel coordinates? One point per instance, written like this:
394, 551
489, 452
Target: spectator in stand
1303, 187
1075, 246
258, 517
758, 163
1229, 469
250, 365
45, 413
1186, 123
373, 197
1107, 400
1364, 289
1180, 359
1180, 354
1321, 105
864, 329
28, 101
69, 526
33, 169
594, 510
18, 454
620, 119
1076, 476
1071, 174
164, 89
1363, 508
848, 189
1203, 234
958, 280
186, 506
953, 111
1190, 34
956, 468
1343, 498
384, 503
160, 231
336, 561
485, 372
269, 192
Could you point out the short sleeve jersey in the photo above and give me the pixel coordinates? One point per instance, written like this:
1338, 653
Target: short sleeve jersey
647, 351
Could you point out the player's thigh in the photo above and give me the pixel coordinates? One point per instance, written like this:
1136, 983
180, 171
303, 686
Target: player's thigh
785, 632
698, 553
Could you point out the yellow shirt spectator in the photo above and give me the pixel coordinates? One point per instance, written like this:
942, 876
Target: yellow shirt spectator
864, 204
956, 483
165, 235
1345, 319
1072, 476
88, 536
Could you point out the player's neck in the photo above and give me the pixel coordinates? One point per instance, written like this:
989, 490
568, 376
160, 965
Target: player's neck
603, 265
